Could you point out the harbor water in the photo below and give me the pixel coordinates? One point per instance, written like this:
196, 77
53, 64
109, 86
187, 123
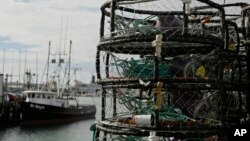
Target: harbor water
74, 131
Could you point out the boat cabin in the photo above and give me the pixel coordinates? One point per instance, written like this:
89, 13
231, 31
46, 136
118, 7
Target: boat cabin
39, 95
45, 98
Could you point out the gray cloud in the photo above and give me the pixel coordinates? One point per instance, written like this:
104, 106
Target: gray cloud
8, 44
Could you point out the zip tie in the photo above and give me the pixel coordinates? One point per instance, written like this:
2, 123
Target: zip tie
157, 43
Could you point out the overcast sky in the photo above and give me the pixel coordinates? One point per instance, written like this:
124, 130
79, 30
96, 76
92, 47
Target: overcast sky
28, 25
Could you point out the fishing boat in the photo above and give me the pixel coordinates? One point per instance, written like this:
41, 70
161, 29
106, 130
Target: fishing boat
54, 103
47, 107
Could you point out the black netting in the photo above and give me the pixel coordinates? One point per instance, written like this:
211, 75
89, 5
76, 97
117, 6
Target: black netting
172, 68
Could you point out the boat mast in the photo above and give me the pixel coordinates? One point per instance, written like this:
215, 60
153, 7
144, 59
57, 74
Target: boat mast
12, 67
60, 60
69, 64
19, 75
36, 70
47, 75
3, 59
25, 70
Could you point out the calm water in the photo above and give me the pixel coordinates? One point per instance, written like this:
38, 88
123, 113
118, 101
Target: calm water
76, 131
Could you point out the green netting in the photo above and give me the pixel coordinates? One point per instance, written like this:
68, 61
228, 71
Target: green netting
145, 107
141, 68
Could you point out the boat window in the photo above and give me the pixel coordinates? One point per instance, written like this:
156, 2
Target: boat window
38, 96
48, 97
33, 95
43, 95
28, 95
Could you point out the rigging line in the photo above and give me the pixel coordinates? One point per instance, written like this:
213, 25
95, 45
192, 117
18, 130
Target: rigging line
42, 76
65, 37
60, 40
46, 68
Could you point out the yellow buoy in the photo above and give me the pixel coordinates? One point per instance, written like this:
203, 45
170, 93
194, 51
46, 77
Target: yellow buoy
201, 71
232, 47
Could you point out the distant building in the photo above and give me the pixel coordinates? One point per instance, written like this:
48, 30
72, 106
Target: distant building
84, 88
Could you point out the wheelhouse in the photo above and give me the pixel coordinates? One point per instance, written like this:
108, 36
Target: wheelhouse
39, 95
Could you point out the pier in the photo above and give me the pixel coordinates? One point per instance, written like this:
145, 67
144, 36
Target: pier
9, 108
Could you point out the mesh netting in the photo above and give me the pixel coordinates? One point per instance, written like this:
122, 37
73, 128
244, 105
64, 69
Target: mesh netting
176, 69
